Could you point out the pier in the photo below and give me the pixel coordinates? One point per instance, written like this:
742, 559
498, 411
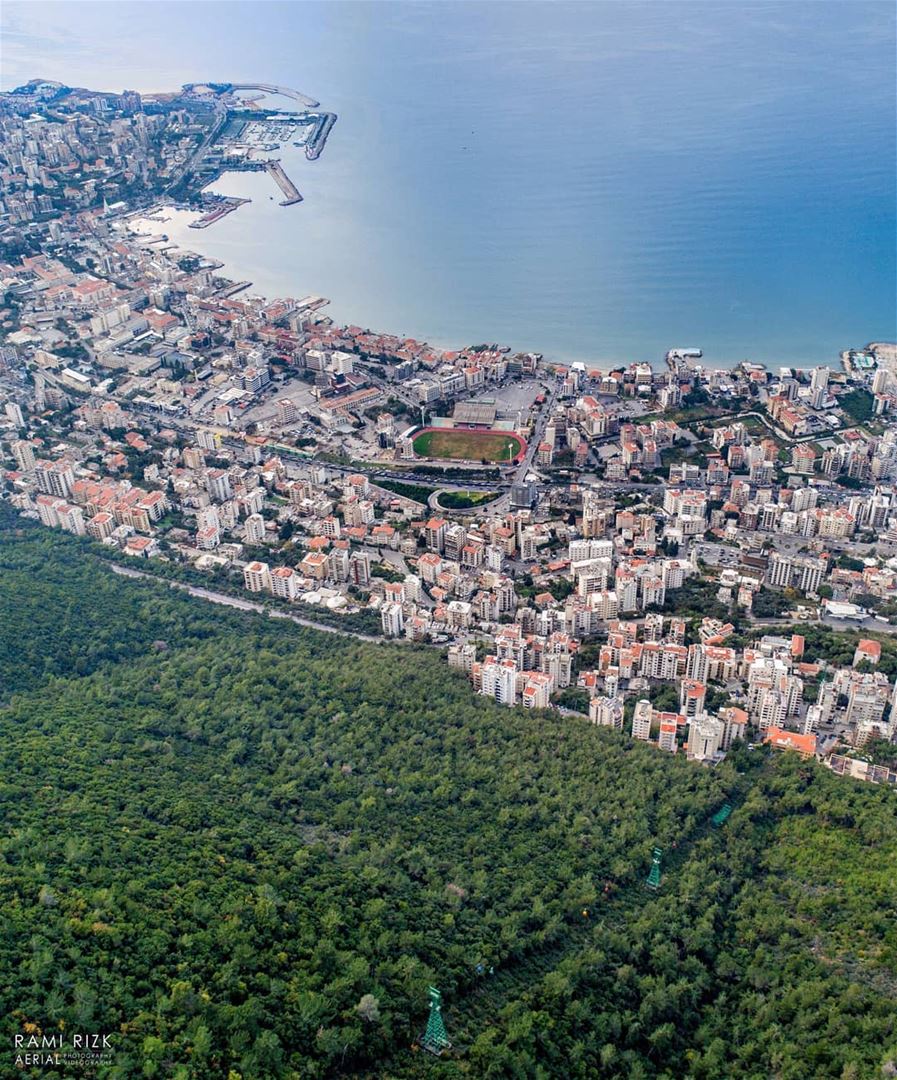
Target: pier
217, 213
286, 185
231, 290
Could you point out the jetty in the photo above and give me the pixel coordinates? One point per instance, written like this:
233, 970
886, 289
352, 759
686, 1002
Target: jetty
312, 303
679, 359
286, 185
217, 213
227, 291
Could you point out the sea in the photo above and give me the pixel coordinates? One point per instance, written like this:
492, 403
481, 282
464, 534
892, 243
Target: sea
594, 181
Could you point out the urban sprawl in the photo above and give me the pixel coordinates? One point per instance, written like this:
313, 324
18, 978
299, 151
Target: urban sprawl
686, 555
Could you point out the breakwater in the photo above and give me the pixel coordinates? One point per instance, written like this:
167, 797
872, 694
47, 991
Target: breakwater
286, 185
318, 138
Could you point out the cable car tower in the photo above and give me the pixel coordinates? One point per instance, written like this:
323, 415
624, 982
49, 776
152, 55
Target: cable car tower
434, 1040
653, 881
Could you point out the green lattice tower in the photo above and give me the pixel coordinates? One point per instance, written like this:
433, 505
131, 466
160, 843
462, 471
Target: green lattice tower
435, 1039
653, 881
720, 817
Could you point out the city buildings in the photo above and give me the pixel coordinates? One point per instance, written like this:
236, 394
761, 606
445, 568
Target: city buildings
632, 565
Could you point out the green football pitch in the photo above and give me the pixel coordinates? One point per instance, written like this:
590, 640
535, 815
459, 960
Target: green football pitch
464, 445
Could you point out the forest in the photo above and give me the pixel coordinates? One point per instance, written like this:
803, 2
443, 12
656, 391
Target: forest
246, 849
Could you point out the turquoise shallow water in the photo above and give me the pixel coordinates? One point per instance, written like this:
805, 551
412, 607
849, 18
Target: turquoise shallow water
595, 181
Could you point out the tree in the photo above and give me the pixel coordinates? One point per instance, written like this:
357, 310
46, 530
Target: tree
368, 1008
859, 405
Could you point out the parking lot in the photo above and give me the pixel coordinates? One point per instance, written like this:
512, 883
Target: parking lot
512, 396
717, 554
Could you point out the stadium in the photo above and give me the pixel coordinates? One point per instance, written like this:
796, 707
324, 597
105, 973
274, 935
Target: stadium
469, 444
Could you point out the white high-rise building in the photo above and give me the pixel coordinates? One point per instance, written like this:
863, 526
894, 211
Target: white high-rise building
705, 734
284, 582
818, 387
218, 485
208, 439
594, 513
498, 679
606, 712
208, 517
641, 720
55, 478
254, 529
392, 620
881, 381
23, 452
257, 577
796, 572
864, 704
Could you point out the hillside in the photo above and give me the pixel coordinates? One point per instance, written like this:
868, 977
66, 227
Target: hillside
225, 836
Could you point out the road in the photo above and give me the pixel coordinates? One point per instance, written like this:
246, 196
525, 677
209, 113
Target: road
248, 605
423, 479
882, 626
870, 623
189, 424
536, 438
196, 157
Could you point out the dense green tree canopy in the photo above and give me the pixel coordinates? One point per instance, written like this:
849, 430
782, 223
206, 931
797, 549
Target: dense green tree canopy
244, 847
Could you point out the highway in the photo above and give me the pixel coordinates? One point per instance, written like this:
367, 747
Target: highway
376, 473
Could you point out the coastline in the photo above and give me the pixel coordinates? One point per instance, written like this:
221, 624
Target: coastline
165, 213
